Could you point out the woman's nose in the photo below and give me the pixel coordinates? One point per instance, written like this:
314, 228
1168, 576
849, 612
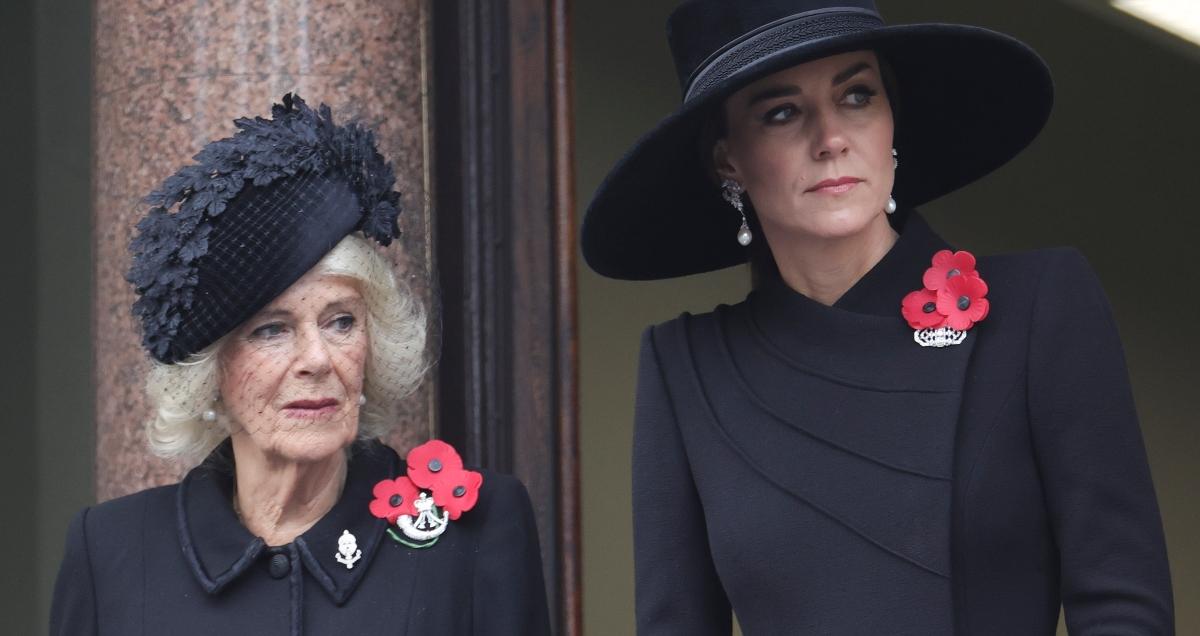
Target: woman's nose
312, 358
830, 136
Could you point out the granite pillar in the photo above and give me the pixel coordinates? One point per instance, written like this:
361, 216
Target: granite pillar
171, 75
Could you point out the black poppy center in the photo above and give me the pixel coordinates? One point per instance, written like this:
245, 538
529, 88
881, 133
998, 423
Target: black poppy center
460, 491
929, 308
395, 501
954, 272
435, 465
964, 302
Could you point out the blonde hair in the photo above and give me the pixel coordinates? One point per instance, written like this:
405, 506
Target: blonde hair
180, 393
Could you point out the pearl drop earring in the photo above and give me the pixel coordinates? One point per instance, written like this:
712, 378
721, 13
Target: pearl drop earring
891, 206
209, 415
732, 192
362, 399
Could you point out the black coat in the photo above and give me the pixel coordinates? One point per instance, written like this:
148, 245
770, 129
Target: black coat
176, 560
817, 471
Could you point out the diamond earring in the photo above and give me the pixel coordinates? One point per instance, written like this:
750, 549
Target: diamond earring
732, 192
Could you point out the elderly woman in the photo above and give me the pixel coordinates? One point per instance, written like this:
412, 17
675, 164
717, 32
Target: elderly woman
282, 344
888, 436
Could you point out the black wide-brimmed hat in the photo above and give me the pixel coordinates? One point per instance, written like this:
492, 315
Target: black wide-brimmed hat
227, 235
970, 100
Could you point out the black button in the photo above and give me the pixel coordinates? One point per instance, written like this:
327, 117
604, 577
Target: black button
435, 466
280, 566
460, 491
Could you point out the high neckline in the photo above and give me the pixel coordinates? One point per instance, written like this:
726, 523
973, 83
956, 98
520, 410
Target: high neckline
865, 324
880, 290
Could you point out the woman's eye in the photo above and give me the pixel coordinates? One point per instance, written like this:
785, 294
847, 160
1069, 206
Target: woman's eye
267, 331
859, 96
780, 114
343, 323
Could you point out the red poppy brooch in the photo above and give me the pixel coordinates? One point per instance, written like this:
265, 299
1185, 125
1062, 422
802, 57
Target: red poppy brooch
950, 303
436, 490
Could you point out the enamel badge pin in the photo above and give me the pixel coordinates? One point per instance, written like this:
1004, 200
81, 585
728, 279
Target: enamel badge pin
950, 303
436, 491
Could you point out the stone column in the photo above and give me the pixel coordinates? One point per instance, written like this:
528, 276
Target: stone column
170, 75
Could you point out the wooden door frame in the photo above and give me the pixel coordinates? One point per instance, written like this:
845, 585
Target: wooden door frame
505, 241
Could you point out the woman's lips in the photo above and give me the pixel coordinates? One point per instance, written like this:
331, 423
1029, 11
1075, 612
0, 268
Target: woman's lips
310, 408
841, 185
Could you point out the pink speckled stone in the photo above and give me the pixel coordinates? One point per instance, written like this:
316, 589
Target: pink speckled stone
172, 75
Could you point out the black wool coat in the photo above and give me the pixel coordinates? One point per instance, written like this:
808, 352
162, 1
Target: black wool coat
176, 561
815, 471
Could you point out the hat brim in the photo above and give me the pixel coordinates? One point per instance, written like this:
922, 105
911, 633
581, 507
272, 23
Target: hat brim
971, 99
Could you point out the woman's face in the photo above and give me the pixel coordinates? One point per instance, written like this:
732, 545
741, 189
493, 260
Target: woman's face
291, 376
812, 145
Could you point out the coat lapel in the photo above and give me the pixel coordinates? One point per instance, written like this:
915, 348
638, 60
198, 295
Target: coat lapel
318, 547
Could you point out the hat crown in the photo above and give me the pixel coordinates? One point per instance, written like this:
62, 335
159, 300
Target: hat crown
699, 30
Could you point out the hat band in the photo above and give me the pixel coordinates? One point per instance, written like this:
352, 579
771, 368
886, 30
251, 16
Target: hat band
777, 36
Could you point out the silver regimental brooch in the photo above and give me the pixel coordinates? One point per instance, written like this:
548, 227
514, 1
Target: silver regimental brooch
348, 553
428, 525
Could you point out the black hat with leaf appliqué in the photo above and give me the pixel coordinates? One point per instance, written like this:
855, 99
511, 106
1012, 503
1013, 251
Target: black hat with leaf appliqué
226, 235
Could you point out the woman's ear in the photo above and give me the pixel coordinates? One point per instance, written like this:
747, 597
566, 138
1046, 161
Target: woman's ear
721, 162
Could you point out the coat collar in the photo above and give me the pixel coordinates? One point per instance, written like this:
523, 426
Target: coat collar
865, 324
219, 549
899, 272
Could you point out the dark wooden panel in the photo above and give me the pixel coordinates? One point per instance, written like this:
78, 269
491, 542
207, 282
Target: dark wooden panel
505, 240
